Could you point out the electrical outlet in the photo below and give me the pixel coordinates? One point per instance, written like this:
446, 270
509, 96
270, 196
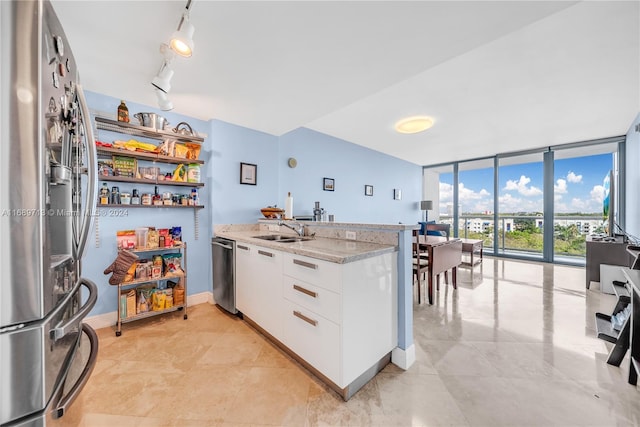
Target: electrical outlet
350, 235
273, 227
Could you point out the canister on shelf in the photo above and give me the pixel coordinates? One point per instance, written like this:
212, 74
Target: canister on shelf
193, 172
167, 198
146, 199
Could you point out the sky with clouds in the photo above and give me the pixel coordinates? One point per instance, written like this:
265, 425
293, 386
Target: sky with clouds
577, 187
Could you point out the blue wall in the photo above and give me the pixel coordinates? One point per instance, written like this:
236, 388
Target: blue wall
227, 201
352, 167
96, 259
235, 203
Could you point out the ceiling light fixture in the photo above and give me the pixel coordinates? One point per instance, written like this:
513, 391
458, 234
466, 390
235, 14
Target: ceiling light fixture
182, 39
162, 81
414, 124
164, 102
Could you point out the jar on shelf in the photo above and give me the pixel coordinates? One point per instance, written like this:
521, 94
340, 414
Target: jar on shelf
193, 172
104, 194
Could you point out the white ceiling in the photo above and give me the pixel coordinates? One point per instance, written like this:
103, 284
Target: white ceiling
495, 76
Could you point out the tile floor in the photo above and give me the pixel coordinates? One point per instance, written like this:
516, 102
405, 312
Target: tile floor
513, 346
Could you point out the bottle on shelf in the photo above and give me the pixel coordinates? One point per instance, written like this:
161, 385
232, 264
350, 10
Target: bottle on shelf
195, 199
157, 199
104, 194
123, 112
135, 199
115, 196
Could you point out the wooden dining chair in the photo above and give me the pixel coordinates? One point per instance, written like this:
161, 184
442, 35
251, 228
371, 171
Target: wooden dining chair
420, 262
445, 231
442, 229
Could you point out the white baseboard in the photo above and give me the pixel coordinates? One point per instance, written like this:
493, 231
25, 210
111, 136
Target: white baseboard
107, 320
403, 358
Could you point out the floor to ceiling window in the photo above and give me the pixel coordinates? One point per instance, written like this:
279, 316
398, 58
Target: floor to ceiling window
579, 175
476, 201
539, 204
521, 205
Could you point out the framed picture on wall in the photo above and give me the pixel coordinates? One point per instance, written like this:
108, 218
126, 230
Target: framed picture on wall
368, 190
328, 184
248, 174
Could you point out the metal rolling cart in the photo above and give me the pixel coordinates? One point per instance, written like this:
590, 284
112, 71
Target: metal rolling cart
129, 315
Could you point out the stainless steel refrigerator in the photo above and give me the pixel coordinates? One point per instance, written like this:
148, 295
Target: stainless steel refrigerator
47, 202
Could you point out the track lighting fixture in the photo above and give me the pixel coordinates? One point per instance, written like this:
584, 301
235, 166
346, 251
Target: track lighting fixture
182, 44
164, 102
162, 80
182, 39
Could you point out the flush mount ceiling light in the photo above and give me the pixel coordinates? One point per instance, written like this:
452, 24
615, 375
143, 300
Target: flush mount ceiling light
182, 39
414, 124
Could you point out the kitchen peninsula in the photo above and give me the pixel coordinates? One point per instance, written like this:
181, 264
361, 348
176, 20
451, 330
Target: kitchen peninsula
330, 302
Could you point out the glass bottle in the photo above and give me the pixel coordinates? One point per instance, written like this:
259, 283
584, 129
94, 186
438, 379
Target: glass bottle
157, 199
135, 199
123, 112
104, 194
115, 196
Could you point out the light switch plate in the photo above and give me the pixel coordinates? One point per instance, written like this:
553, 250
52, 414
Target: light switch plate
350, 235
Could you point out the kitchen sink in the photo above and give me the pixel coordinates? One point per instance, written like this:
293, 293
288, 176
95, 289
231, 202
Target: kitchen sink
282, 239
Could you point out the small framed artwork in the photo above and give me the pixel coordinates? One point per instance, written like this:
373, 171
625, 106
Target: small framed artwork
368, 190
248, 174
328, 184
397, 194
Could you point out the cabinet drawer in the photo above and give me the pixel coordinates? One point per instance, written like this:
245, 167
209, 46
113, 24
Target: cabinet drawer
319, 300
313, 338
314, 271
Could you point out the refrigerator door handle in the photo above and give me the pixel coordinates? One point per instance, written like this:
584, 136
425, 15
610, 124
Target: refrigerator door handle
92, 176
68, 399
60, 331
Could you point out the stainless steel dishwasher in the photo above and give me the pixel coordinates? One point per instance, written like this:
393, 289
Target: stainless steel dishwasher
224, 273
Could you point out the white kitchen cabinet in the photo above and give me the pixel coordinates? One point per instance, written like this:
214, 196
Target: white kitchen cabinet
359, 296
244, 301
341, 319
314, 338
259, 286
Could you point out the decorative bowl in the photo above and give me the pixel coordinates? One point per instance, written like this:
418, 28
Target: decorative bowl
272, 213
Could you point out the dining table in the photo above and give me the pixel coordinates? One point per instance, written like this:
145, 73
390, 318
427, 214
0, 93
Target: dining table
444, 254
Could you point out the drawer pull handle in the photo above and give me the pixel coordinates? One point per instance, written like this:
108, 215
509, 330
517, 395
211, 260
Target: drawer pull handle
305, 291
305, 264
269, 254
305, 318
242, 247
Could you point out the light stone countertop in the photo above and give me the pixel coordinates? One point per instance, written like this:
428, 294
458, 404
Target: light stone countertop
332, 250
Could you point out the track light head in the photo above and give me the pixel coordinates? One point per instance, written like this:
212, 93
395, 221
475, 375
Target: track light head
164, 102
162, 80
182, 39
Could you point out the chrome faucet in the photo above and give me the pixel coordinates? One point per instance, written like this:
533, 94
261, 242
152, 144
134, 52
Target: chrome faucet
299, 229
